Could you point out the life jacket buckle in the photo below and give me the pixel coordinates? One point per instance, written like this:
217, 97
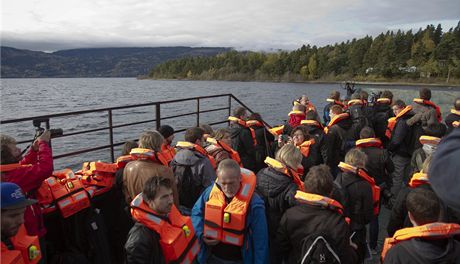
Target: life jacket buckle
70, 185
186, 230
33, 252
227, 217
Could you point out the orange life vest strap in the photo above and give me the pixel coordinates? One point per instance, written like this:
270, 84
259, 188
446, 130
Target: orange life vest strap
148, 154
256, 123
369, 142
436, 230
429, 140
296, 112
315, 199
393, 120
276, 131
336, 102
11, 167
335, 120
197, 148
429, 103
305, 147
233, 154
384, 101
168, 152
123, 160
355, 102
312, 123
237, 120
289, 172
418, 179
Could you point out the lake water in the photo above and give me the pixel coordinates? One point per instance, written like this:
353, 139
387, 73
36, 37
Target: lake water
33, 97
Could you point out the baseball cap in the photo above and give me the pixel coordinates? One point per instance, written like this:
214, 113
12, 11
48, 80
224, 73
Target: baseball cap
13, 197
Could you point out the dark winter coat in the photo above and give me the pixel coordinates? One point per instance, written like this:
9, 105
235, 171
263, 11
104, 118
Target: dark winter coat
379, 165
143, 246
450, 118
334, 142
243, 143
381, 114
401, 138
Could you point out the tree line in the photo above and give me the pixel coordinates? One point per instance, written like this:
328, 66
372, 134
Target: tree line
426, 55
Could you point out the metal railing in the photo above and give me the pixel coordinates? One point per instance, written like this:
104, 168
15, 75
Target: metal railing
111, 126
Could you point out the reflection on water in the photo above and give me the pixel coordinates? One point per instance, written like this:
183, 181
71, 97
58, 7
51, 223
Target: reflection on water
32, 97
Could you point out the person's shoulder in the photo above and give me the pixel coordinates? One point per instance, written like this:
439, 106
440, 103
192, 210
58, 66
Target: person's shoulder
399, 253
256, 201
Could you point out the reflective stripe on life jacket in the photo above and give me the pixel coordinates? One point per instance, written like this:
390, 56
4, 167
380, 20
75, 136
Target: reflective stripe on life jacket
436, 230
199, 149
335, 120
429, 140
384, 101
355, 102
26, 249
369, 142
393, 120
11, 167
276, 131
336, 102
123, 160
418, 179
227, 222
233, 154
289, 172
177, 235
305, 147
363, 174
429, 103
316, 199
312, 123
148, 154
67, 192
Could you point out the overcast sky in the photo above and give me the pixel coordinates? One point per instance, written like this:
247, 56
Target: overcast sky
50, 25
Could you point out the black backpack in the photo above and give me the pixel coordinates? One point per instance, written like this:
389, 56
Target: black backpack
188, 187
319, 247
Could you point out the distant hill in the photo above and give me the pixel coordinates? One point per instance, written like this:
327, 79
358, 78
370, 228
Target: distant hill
92, 62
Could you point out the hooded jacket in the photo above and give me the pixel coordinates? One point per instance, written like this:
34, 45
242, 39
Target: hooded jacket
401, 138
319, 136
29, 179
382, 112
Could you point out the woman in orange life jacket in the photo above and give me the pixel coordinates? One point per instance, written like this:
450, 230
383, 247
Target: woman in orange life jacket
453, 118
161, 234
277, 185
429, 241
307, 146
264, 140
137, 172
217, 152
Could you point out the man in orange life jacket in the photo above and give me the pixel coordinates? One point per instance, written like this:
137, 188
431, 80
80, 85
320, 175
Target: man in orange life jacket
315, 213
17, 247
381, 113
192, 168
242, 139
229, 218
161, 234
453, 118
429, 241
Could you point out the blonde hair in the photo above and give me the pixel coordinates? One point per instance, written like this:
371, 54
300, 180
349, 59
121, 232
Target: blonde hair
289, 155
151, 140
356, 157
6, 155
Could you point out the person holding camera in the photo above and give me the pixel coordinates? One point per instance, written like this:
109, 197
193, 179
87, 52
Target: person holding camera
28, 172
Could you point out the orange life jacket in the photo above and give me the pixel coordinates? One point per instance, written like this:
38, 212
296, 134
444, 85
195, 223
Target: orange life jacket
256, 123
227, 222
418, 179
233, 154
312, 123
168, 152
456, 124
26, 249
369, 142
429, 140
384, 101
296, 112
123, 160
148, 154
177, 235
11, 167
429, 103
289, 172
335, 120
355, 102
97, 173
305, 147
199, 149
276, 131
316, 199
337, 103
363, 174
66, 191
393, 120
244, 124
436, 230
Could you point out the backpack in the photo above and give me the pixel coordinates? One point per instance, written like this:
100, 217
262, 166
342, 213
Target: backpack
359, 119
319, 247
189, 189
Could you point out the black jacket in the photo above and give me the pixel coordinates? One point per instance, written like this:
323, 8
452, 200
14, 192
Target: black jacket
401, 138
301, 220
360, 204
263, 148
313, 159
335, 147
318, 134
379, 165
143, 246
450, 118
420, 251
243, 143
381, 114
358, 115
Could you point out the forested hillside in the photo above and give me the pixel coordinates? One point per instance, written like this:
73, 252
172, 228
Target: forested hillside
429, 55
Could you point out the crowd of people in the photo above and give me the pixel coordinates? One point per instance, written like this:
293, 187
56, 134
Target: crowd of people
309, 191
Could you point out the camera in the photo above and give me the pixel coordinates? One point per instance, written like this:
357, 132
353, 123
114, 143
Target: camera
56, 132
284, 138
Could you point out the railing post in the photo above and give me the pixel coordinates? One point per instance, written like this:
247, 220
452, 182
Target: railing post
230, 105
112, 151
158, 115
198, 111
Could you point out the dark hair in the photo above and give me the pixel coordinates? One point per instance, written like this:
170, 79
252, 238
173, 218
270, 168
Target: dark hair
239, 111
400, 103
255, 116
336, 109
387, 94
193, 134
207, 129
423, 205
425, 93
457, 104
319, 180
335, 95
128, 146
152, 185
367, 132
220, 133
312, 115
302, 129
356, 96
